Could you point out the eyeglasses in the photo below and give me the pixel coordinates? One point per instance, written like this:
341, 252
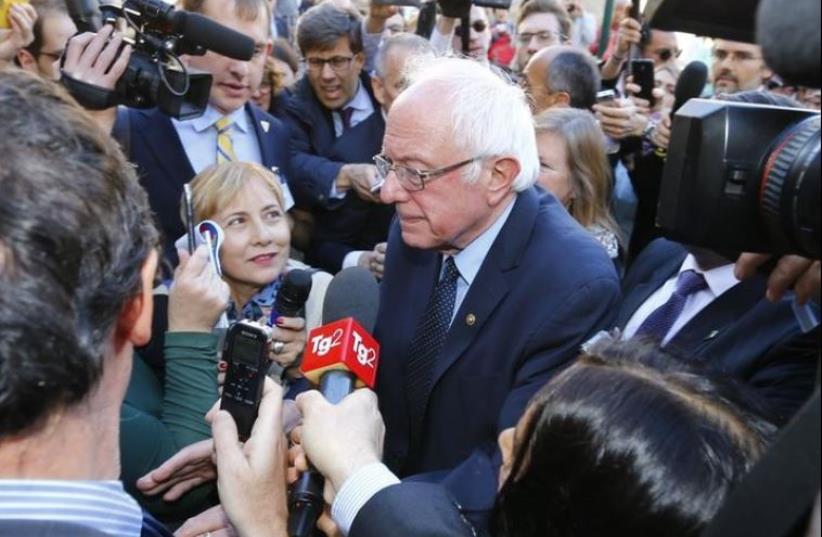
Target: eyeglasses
735, 56
548, 37
477, 26
411, 179
665, 54
338, 63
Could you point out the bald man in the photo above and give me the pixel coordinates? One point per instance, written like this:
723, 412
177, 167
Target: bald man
561, 75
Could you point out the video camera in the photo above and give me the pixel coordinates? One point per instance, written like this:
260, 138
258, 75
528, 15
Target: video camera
743, 177
159, 35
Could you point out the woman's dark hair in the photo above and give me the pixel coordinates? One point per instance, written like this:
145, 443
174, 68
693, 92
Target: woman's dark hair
628, 442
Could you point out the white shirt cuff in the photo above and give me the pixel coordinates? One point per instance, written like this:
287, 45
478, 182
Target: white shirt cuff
352, 259
357, 490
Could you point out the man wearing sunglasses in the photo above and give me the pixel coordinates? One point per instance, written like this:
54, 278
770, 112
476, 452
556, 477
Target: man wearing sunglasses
52, 30
489, 288
337, 128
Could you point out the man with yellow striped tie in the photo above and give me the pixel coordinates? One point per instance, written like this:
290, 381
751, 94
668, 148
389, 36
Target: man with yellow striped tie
169, 152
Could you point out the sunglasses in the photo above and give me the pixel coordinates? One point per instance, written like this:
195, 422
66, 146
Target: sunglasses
477, 26
666, 54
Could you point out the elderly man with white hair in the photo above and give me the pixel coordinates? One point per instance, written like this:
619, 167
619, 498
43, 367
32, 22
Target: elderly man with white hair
490, 286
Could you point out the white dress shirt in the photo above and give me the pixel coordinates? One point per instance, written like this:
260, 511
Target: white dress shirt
719, 280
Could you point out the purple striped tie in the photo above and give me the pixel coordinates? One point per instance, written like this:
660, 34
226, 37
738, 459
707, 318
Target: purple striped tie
660, 321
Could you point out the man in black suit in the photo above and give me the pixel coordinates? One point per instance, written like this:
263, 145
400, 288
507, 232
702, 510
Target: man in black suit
691, 302
76, 237
337, 128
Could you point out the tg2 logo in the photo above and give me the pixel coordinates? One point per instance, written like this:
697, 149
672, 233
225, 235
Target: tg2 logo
322, 344
365, 355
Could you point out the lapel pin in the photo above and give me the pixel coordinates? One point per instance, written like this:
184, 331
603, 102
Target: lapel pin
470, 319
265, 125
712, 335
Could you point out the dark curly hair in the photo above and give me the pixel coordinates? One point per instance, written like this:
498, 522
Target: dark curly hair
75, 230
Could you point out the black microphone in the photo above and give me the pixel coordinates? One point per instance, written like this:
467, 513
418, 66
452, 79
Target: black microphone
353, 293
292, 295
690, 84
789, 35
202, 31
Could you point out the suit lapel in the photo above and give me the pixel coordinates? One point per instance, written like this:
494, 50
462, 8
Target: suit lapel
491, 284
639, 294
161, 138
262, 127
715, 318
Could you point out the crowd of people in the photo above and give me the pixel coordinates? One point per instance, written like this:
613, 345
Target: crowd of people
551, 364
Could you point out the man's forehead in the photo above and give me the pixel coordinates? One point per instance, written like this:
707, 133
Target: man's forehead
341, 46
723, 44
539, 22
226, 13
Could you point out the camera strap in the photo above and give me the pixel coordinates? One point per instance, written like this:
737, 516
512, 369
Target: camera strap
776, 497
88, 95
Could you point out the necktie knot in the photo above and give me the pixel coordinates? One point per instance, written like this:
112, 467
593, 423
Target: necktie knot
690, 282
345, 116
223, 125
451, 272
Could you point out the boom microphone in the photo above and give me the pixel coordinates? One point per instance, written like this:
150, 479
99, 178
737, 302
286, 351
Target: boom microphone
340, 356
202, 31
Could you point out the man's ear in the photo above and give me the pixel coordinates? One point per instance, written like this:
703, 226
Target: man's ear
503, 173
561, 98
134, 323
27, 60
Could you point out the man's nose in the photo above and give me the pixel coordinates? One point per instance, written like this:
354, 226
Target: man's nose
327, 72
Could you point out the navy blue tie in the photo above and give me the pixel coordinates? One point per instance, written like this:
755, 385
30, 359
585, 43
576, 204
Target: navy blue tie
345, 116
660, 321
427, 343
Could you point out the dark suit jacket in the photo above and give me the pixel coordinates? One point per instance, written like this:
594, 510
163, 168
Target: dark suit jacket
412, 510
317, 155
545, 286
164, 167
740, 333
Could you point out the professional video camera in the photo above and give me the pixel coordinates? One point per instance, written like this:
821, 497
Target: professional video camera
743, 177
159, 35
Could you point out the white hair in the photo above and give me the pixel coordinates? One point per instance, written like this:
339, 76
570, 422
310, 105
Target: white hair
489, 115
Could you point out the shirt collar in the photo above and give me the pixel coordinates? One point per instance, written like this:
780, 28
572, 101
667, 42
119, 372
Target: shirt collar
211, 115
469, 259
103, 505
719, 279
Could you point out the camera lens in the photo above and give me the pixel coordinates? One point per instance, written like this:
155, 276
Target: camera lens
789, 195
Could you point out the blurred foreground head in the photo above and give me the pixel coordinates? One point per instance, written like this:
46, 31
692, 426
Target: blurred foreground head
76, 255
628, 441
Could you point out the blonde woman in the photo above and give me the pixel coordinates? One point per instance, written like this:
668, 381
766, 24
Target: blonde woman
574, 167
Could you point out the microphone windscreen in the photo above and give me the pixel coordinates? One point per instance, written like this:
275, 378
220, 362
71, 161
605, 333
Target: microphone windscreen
353, 292
293, 293
790, 39
201, 30
690, 84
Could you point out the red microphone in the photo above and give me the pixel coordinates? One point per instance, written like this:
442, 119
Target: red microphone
340, 357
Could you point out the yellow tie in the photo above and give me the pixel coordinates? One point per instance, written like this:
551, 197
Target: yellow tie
225, 148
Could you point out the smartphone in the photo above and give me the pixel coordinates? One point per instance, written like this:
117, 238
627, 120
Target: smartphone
188, 213
5, 7
642, 72
246, 352
606, 96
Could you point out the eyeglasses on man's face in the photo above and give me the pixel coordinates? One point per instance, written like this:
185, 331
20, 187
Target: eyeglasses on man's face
547, 37
338, 64
412, 179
